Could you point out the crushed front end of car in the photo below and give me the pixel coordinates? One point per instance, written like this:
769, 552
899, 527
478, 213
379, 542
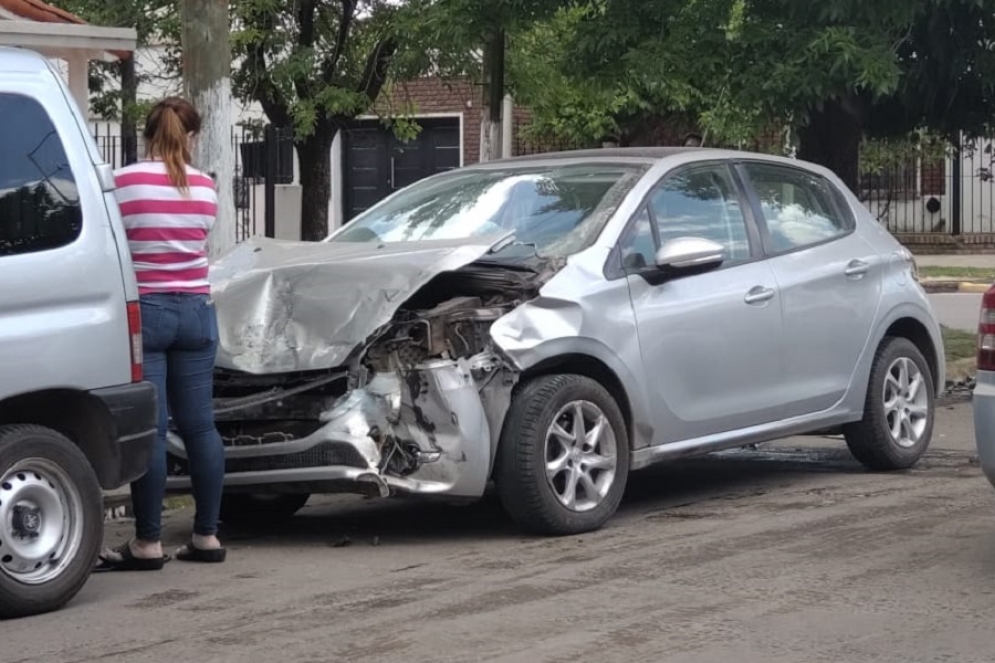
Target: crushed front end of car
361, 368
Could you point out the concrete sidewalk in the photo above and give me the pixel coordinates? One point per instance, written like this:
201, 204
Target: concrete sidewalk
967, 260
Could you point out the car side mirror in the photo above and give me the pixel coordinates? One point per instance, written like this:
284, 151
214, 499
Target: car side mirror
690, 253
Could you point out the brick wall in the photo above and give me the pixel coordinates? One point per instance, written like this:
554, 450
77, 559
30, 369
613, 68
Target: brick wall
435, 95
432, 95
926, 243
427, 96
933, 178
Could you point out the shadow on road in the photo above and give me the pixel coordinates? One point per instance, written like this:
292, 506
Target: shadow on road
350, 520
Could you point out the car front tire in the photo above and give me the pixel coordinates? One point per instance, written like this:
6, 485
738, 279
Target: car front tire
51, 520
563, 456
899, 411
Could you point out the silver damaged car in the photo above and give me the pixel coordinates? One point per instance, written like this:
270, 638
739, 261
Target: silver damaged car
551, 323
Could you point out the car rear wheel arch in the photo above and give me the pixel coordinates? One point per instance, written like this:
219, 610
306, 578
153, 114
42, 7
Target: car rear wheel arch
914, 331
81, 417
589, 367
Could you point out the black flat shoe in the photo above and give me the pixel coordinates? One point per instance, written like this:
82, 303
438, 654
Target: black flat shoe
122, 559
191, 553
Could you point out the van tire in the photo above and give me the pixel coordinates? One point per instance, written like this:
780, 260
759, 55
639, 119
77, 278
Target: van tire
43, 471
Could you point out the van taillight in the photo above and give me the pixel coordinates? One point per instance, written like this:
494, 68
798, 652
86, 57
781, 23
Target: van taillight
986, 332
135, 334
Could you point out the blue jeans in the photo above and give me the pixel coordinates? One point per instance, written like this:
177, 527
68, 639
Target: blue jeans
180, 339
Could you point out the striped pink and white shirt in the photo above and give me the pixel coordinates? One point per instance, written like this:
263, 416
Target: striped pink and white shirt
167, 230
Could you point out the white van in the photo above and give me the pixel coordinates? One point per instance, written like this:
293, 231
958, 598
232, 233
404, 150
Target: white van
75, 414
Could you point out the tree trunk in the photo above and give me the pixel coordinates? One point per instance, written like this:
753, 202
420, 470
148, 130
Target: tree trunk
129, 102
832, 139
492, 97
315, 156
206, 72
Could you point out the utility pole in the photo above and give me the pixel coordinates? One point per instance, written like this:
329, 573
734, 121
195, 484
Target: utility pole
207, 84
493, 97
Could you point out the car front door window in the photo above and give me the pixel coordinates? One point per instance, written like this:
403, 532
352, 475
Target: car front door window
702, 202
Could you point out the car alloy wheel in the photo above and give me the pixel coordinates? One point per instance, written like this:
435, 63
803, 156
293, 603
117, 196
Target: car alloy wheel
581, 456
906, 402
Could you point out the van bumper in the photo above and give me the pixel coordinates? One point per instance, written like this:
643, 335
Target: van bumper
134, 411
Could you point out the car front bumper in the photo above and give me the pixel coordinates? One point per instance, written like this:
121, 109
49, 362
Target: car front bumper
984, 422
430, 434
134, 412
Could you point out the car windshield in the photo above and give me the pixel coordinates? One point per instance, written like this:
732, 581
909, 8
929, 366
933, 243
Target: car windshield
558, 209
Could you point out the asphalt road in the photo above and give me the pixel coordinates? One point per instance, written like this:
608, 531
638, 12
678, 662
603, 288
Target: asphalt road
958, 310
790, 555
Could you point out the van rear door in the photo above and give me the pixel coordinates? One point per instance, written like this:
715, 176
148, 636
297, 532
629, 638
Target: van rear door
63, 311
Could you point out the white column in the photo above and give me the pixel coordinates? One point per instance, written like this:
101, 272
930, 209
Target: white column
508, 126
336, 212
79, 81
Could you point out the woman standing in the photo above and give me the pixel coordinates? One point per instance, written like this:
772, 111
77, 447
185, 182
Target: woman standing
169, 208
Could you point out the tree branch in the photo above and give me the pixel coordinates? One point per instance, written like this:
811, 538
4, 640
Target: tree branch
305, 22
305, 19
263, 90
375, 72
345, 24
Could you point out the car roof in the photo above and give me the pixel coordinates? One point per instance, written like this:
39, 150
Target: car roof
644, 154
22, 60
649, 156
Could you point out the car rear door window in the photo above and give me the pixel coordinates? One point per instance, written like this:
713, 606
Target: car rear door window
39, 203
701, 201
797, 207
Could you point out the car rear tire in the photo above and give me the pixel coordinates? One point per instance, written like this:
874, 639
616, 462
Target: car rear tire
551, 480
51, 520
899, 411
249, 508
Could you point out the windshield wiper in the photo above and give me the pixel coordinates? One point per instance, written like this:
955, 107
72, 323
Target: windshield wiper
504, 242
510, 240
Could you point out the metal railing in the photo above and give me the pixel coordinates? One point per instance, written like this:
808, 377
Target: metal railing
263, 159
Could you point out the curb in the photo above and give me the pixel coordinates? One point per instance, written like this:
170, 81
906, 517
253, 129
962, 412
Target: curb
939, 287
973, 287
117, 506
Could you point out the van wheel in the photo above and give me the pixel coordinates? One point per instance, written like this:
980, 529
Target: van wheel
51, 520
249, 508
563, 459
898, 414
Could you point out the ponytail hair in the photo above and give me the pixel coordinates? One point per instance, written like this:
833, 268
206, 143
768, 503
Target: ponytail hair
166, 130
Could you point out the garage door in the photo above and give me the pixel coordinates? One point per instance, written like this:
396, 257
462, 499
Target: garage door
376, 163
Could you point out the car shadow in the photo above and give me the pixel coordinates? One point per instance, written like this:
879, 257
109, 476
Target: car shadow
340, 521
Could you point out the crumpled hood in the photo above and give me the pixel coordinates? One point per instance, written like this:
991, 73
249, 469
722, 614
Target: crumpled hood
294, 306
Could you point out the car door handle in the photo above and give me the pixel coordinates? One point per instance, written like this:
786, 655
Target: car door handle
857, 268
759, 295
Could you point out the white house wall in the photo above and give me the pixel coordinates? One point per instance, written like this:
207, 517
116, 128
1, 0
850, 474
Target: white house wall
978, 186
909, 215
977, 208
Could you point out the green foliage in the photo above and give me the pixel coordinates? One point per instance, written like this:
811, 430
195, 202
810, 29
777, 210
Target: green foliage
565, 110
739, 66
959, 344
312, 64
445, 36
155, 21
881, 155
